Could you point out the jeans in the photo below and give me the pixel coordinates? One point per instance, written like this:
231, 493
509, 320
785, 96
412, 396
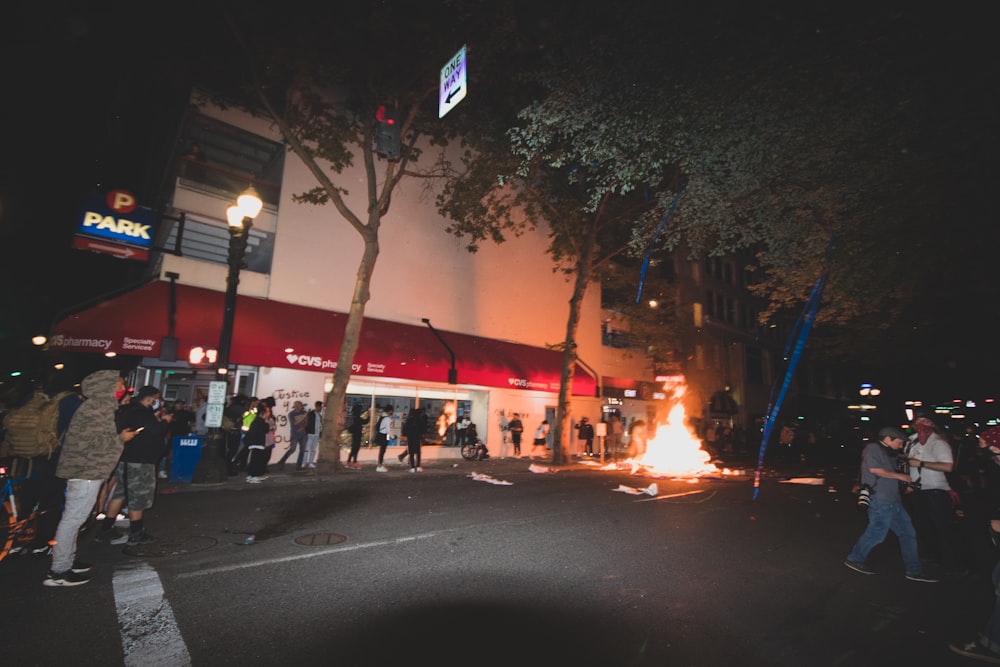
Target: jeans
81, 494
883, 517
312, 447
296, 441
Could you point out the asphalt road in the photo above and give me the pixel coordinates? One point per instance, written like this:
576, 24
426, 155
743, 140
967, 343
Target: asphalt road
547, 568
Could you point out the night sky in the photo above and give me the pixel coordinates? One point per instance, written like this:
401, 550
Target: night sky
86, 91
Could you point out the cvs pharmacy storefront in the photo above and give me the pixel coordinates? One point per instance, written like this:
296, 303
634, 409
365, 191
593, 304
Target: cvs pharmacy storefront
290, 351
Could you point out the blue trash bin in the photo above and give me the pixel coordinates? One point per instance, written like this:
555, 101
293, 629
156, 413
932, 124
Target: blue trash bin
186, 455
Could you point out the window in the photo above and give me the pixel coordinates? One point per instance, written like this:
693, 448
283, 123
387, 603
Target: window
224, 158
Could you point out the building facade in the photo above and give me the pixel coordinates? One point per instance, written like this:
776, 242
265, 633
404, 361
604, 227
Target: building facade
445, 329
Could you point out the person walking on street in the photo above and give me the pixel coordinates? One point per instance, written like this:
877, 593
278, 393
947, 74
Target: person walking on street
297, 422
383, 429
538, 446
135, 474
516, 428
359, 417
930, 458
885, 509
414, 430
91, 448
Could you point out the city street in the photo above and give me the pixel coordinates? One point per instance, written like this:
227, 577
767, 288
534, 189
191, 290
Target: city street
493, 563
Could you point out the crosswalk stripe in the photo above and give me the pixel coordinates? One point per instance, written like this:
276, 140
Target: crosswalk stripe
150, 636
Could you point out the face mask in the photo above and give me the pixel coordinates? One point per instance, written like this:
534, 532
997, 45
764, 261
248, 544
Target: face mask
156, 404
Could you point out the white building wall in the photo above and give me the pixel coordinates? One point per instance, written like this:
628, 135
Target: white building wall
506, 292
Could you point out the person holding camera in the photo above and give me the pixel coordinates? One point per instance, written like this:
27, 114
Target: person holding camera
885, 508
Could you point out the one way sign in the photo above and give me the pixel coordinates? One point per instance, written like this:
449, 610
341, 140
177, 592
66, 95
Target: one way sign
453, 84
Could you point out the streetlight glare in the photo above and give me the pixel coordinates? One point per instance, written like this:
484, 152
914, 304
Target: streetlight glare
235, 216
250, 203
39, 340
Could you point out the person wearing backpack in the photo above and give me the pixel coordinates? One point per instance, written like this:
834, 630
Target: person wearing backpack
52, 489
33, 432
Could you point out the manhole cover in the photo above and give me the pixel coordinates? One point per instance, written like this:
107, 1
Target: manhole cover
187, 545
319, 539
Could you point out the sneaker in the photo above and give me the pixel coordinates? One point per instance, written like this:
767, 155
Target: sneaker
140, 538
67, 578
45, 550
977, 651
79, 567
162, 474
419, 469
381, 469
920, 576
859, 567
312, 466
111, 536
413, 470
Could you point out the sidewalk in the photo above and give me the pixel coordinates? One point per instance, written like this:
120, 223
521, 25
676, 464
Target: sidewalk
434, 459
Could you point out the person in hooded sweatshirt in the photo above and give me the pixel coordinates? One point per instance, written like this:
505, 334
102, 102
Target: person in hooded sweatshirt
91, 449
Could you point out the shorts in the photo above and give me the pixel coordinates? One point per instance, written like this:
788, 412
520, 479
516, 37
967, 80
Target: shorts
540, 442
136, 483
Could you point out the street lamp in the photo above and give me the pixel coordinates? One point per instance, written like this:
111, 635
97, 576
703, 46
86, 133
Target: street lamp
240, 217
212, 465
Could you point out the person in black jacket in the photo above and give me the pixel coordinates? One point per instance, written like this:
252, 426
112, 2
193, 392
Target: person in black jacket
414, 430
255, 440
986, 646
135, 475
586, 435
359, 417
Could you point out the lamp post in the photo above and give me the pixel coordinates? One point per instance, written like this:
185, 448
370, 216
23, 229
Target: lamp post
212, 465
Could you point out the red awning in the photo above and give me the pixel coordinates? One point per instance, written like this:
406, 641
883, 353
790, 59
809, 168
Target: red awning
275, 334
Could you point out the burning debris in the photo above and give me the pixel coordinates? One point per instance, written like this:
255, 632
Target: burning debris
674, 451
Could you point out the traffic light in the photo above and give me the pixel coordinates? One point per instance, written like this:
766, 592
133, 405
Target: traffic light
387, 132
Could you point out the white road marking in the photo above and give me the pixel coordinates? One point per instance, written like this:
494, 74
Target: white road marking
150, 635
311, 554
676, 495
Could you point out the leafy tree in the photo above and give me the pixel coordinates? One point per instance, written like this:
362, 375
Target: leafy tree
781, 141
323, 92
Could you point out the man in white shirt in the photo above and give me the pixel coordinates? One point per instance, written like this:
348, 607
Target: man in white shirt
383, 432
930, 457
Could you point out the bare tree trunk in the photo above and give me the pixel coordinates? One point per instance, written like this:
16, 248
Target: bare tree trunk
564, 411
333, 419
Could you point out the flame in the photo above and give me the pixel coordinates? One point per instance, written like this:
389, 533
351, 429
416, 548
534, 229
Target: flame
675, 450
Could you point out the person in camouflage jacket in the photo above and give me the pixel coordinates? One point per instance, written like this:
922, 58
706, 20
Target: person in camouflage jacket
91, 449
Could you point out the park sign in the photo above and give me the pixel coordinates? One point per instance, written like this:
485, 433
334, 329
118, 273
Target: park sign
117, 217
453, 83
